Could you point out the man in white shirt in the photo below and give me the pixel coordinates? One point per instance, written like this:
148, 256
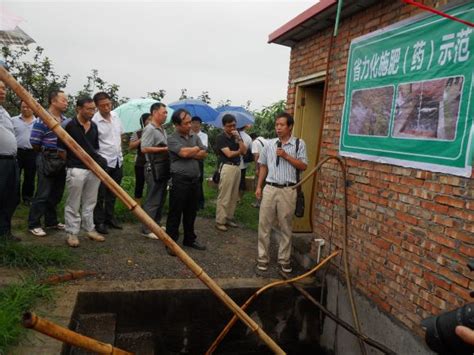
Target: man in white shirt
196, 122
110, 147
244, 159
23, 125
257, 147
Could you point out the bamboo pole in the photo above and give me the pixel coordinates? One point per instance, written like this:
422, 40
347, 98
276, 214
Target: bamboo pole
44, 326
132, 205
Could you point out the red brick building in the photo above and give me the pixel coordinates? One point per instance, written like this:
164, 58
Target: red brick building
411, 232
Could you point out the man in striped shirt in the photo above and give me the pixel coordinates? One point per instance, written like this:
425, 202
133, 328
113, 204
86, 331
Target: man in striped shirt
50, 186
279, 160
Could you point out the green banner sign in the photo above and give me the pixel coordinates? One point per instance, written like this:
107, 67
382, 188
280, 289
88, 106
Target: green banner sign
409, 94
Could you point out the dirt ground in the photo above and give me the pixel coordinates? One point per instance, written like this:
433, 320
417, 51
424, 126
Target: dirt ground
126, 255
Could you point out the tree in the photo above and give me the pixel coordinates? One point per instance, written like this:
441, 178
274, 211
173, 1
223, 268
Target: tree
265, 119
184, 94
156, 95
36, 75
205, 97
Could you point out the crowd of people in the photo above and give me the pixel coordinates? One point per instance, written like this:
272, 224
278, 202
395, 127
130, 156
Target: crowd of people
163, 163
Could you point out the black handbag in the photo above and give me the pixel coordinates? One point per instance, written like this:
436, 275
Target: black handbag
216, 177
299, 208
53, 165
160, 170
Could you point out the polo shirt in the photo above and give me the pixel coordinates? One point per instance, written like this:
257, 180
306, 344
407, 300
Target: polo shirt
223, 141
153, 136
7, 134
188, 167
42, 136
89, 141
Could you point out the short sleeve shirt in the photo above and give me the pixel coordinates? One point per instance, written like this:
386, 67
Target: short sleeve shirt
188, 167
23, 131
285, 172
153, 136
89, 141
223, 141
7, 134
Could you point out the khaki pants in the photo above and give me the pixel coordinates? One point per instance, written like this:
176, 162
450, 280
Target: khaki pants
228, 193
276, 203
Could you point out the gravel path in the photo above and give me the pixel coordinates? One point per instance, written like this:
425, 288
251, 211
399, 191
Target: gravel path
126, 255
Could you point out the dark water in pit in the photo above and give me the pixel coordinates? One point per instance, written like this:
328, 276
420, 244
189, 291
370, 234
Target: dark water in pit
187, 321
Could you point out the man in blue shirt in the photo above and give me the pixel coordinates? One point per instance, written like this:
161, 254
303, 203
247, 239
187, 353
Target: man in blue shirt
50, 184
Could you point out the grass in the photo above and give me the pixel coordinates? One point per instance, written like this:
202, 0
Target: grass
15, 299
34, 256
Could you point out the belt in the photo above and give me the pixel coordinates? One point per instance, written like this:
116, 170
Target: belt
7, 157
26, 149
49, 150
281, 186
231, 163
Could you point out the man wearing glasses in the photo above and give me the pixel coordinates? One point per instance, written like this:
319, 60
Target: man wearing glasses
229, 147
110, 147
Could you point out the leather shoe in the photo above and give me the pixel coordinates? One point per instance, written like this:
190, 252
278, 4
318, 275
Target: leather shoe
114, 224
195, 245
102, 228
13, 238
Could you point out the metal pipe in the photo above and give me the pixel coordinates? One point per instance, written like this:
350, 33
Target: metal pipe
345, 257
247, 303
338, 320
46, 327
132, 205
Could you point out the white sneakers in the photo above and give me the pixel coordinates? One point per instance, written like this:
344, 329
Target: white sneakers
38, 232
150, 235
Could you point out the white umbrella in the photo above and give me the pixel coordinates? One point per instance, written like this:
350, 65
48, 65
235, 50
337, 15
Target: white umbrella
10, 33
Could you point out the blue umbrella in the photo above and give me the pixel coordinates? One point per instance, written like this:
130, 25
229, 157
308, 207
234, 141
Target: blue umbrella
196, 108
131, 112
242, 116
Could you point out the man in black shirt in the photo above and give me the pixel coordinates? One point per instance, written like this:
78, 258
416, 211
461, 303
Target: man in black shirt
81, 183
185, 150
229, 147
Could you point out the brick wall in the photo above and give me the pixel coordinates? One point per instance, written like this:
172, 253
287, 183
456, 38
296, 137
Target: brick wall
411, 232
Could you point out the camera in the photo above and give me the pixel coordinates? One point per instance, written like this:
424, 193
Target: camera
440, 335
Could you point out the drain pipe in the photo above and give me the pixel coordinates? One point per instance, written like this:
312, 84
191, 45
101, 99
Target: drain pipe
132, 205
338, 320
46, 327
345, 239
247, 303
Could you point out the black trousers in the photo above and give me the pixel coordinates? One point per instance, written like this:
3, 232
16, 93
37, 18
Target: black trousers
48, 194
9, 194
200, 188
27, 165
104, 209
182, 202
139, 181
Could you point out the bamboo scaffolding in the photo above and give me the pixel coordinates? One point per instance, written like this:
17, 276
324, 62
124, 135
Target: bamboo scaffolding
46, 327
132, 205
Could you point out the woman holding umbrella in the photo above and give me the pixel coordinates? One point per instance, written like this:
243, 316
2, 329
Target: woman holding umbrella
140, 160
